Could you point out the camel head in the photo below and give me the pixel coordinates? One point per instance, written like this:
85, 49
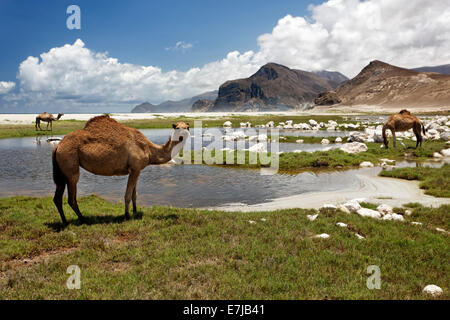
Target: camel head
181, 131
59, 116
404, 111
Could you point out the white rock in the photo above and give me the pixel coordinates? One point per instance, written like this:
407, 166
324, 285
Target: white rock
360, 237
437, 155
312, 217
416, 223
338, 140
299, 141
433, 290
366, 164
259, 147
408, 212
325, 141
441, 230
343, 208
322, 236
328, 206
384, 209
251, 221
354, 147
263, 219
393, 216
352, 206
312, 122
341, 224
388, 161
364, 212
227, 124
446, 152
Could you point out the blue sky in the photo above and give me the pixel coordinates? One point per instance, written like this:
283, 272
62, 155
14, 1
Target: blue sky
138, 31
125, 52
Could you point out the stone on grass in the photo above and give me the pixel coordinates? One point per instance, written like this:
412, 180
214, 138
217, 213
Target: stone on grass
416, 223
437, 155
366, 164
322, 236
408, 212
354, 147
328, 206
338, 140
446, 152
325, 141
312, 217
360, 237
352, 206
341, 224
251, 221
227, 124
364, 212
433, 290
299, 141
384, 209
343, 208
394, 216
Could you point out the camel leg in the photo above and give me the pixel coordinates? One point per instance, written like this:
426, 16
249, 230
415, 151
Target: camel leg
58, 201
72, 190
131, 186
418, 137
47, 127
133, 198
393, 138
51, 126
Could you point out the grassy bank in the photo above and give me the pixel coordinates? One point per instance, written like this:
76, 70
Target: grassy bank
435, 181
173, 253
62, 127
337, 159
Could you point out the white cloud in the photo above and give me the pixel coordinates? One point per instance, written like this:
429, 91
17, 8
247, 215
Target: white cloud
345, 35
180, 45
6, 86
342, 35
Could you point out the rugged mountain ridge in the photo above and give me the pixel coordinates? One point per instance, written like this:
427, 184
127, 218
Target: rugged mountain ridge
272, 87
174, 106
380, 83
444, 69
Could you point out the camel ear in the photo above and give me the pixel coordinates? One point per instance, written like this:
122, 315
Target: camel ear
174, 126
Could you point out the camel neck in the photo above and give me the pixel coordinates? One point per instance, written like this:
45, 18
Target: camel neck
159, 154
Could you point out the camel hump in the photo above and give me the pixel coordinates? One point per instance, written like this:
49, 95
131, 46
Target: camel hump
404, 111
100, 120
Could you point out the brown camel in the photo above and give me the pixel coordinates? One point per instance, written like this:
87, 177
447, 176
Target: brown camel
108, 148
403, 121
46, 117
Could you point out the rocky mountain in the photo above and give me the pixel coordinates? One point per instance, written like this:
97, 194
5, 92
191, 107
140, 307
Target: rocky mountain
383, 84
336, 78
272, 87
444, 69
174, 106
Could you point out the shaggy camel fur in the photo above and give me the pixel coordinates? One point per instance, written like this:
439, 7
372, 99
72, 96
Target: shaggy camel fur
106, 147
46, 117
403, 121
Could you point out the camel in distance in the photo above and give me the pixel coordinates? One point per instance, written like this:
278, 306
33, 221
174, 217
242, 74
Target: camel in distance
108, 148
403, 121
46, 117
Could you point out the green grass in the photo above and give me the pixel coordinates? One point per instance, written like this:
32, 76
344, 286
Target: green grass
173, 253
62, 127
337, 159
435, 181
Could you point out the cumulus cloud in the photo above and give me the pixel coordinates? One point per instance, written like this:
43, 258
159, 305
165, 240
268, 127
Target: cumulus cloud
74, 72
342, 35
6, 86
345, 35
180, 45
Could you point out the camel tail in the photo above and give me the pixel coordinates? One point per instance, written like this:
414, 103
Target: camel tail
423, 129
58, 176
